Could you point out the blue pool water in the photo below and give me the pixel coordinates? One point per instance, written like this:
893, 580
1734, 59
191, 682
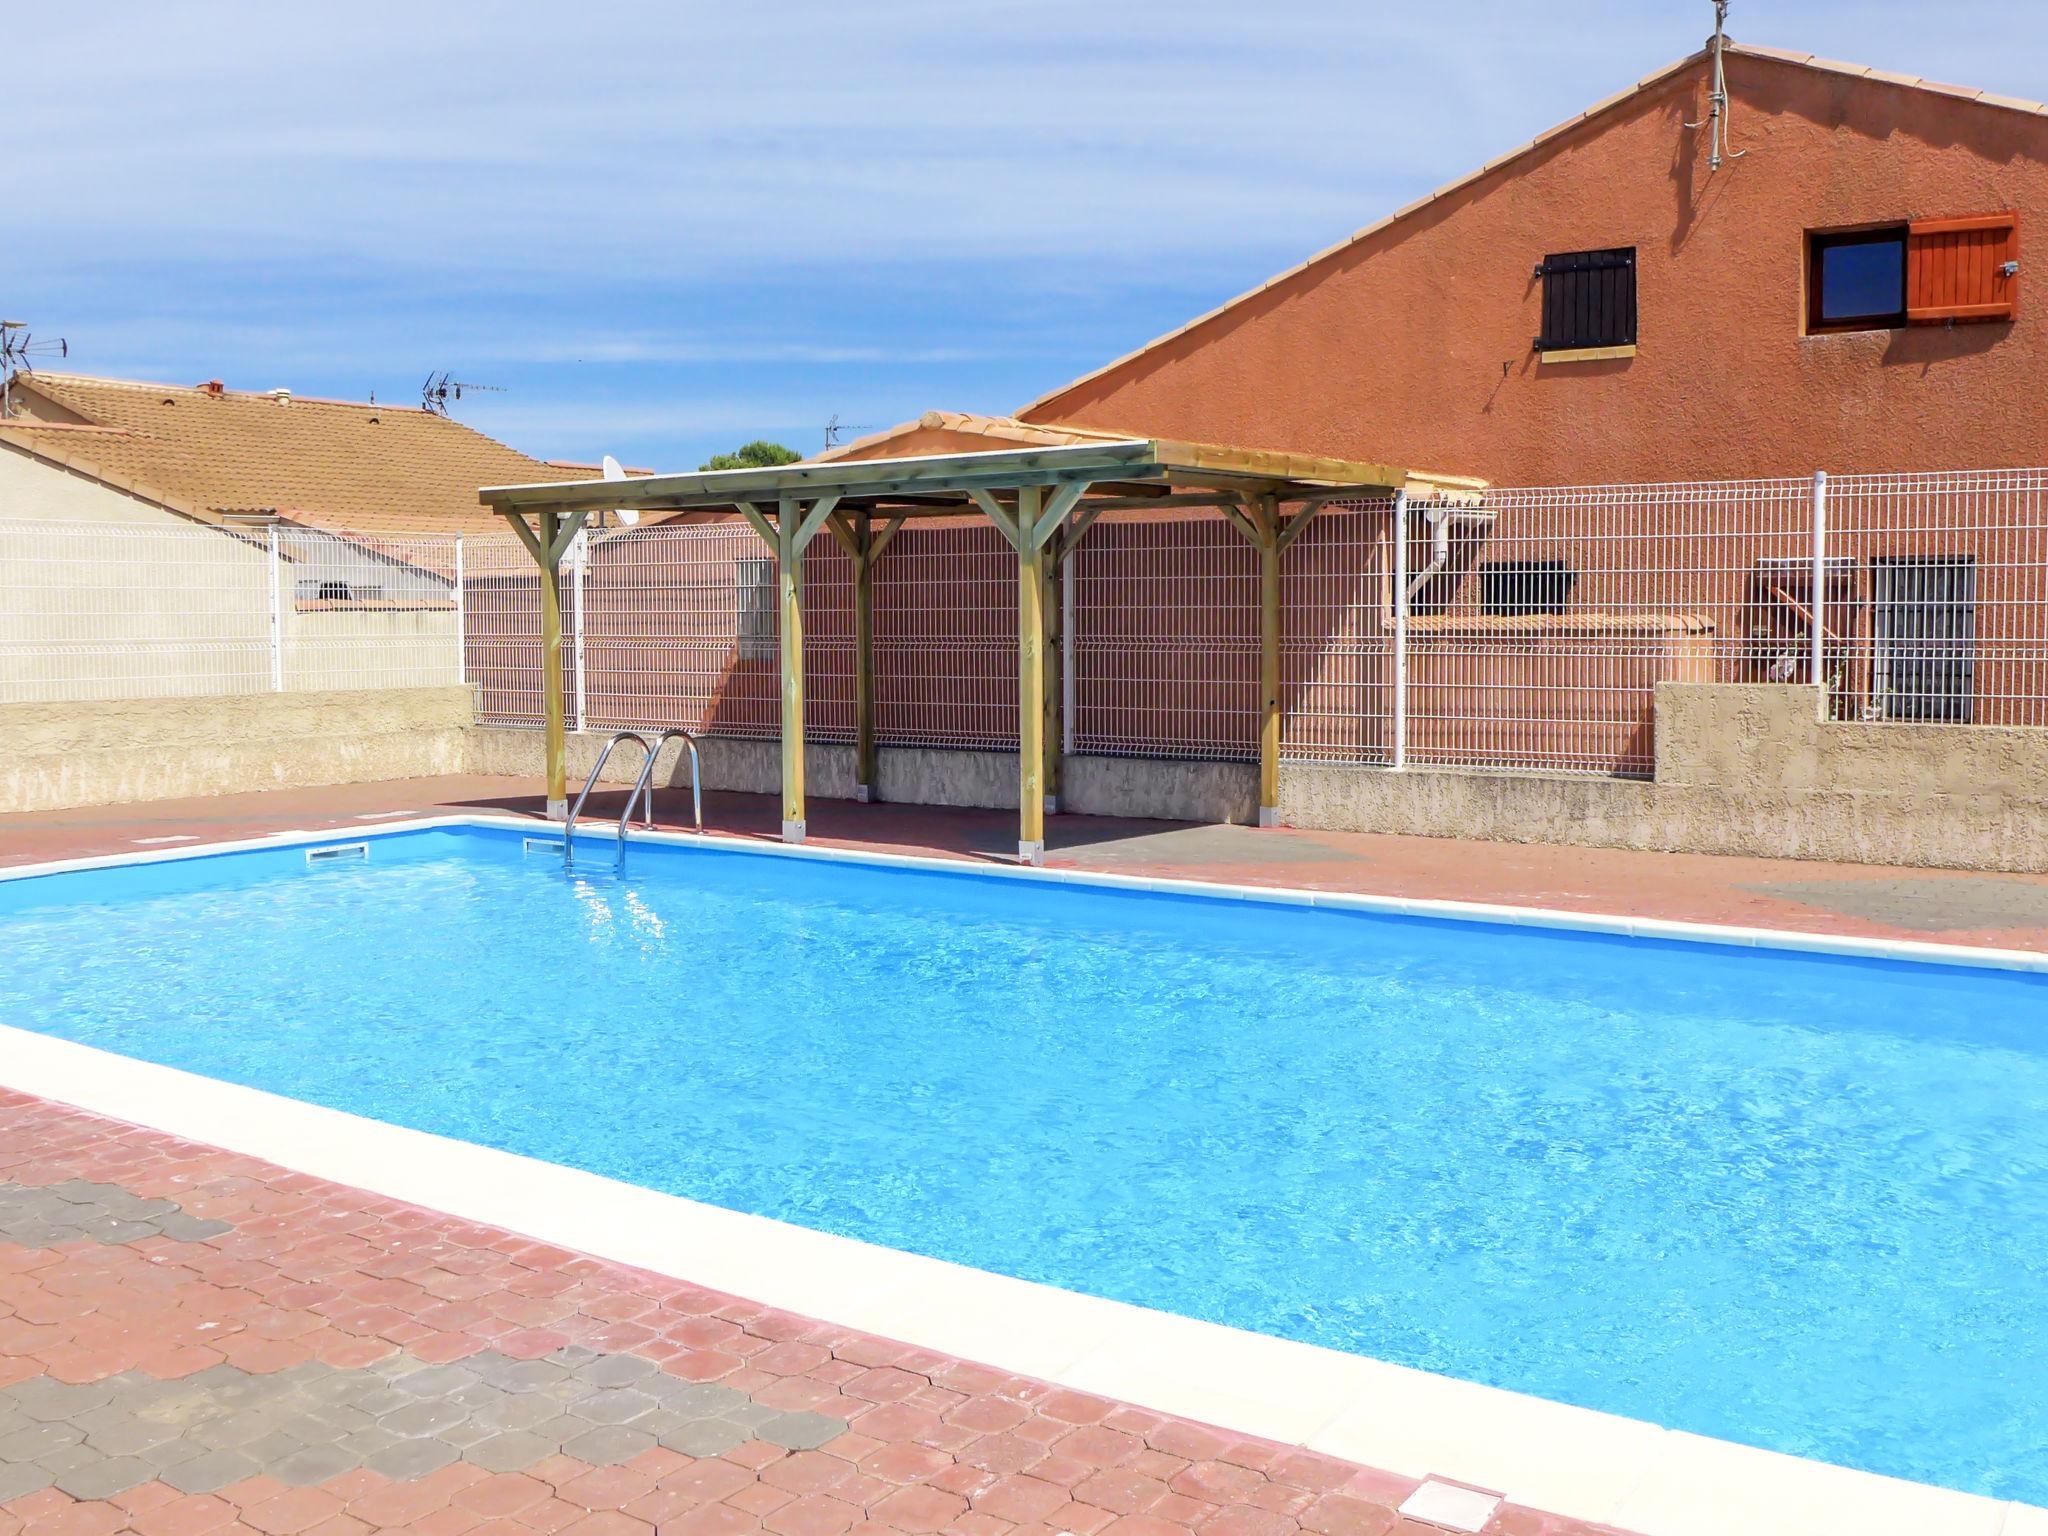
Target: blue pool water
1796, 1201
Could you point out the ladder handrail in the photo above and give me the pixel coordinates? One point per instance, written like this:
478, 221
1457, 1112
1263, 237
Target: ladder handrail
643, 787
569, 826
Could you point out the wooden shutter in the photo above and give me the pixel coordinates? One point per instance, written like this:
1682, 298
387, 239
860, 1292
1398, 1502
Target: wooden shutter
1955, 269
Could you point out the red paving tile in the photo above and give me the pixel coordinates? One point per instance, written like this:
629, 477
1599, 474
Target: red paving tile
931, 1443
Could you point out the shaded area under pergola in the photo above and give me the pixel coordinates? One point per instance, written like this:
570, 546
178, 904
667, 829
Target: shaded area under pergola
1043, 500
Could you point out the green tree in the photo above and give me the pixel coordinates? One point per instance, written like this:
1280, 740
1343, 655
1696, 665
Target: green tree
759, 454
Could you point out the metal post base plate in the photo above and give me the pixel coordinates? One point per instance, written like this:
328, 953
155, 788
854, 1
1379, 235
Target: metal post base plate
863, 793
1030, 853
1269, 815
558, 810
1052, 805
793, 831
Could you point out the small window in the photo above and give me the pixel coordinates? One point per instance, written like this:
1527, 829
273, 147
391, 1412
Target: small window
1924, 636
334, 592
1508, 588
1589, 300
757, 609
1856, 281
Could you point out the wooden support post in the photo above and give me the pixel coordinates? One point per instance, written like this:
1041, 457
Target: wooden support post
1266, 519
789, 584
1055, 675
863, 552
551, 667
1031, 564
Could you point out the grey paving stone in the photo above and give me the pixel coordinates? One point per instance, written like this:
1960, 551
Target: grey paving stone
36, 1440
380, 1400
572, 1357
800, 1431
467, 1433
174, 1452
614, 1405
274, 1446
704, 1437
748, 1414
699, 1399
237, 1429
520, 1410
435, 1380
513, 1451
22, 1477
511, 1375
130, 1437
313, 1464
210, 1472
412, 1458
45, 1398
190, 1229
423, 1417
608, 1445
562, 1427
477, 1396
68, 1459
365, 1443
618, 1370
105, 1477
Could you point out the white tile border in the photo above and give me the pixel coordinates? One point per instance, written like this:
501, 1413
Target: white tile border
1552, 1456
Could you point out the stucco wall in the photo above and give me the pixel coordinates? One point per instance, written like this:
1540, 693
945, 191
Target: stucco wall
106, 595
1413, 344
1740, 770
112, 751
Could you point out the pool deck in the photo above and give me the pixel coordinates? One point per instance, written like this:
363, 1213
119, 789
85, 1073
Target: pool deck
1989, 910
194, 1339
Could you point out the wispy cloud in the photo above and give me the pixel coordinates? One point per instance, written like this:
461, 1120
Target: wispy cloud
777, 211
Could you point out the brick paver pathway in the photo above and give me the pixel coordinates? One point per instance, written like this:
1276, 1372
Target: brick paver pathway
192, 1341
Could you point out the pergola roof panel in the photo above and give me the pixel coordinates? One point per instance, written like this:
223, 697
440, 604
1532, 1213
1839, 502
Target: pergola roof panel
941, 484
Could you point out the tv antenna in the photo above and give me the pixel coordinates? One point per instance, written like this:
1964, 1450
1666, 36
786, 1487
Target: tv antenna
835, 427
440, 389
1716, 120
17, 347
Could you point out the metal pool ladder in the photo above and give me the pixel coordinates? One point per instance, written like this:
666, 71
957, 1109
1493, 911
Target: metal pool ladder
643, 787
569, 826
641, 792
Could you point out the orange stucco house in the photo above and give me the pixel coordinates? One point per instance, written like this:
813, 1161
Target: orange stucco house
1766, 327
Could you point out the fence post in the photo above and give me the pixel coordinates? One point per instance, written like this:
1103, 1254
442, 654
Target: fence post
461, 620
577, 568
1820, 588
1400, 629
276, 616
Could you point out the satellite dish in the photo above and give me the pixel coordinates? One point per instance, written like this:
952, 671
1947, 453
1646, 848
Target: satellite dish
628, 516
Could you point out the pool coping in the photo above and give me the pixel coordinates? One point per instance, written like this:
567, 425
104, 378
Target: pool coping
1552, 1456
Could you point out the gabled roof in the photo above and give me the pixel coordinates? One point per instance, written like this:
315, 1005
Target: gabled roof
1500, 162
209, 454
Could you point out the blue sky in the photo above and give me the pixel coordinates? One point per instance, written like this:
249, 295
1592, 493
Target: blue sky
664, 229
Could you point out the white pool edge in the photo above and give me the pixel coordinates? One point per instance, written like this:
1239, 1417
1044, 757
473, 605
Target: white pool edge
1551, 1456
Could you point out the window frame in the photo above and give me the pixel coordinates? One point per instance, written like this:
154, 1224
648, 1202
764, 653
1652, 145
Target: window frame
1819, 242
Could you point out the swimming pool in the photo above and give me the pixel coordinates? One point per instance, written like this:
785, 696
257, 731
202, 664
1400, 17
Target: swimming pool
1792, 1200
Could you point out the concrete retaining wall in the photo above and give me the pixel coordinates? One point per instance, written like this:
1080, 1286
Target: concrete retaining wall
1096, 786
1741, 769
111, 751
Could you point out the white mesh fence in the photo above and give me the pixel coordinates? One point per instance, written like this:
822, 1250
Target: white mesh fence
1537, 622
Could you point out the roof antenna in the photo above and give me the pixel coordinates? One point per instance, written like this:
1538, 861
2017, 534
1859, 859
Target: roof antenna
1717, 98
440, 389
835, 429
16, 348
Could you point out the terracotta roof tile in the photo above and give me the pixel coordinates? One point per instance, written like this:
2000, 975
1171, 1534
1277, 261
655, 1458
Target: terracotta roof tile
329, 463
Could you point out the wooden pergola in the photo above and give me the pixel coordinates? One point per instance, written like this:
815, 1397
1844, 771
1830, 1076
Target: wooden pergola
1042, 499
